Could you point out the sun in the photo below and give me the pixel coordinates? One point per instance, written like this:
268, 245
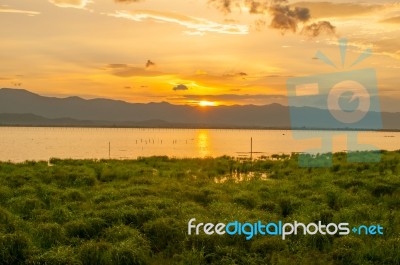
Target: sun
205, 103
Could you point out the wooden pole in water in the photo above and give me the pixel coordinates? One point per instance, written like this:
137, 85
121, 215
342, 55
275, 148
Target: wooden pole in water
251, 148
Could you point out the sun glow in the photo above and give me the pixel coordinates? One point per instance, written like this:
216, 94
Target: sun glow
205, 103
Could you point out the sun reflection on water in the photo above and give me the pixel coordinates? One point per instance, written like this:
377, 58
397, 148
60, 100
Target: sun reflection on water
203, 143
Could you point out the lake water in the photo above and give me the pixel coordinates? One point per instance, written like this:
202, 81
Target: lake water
30, 143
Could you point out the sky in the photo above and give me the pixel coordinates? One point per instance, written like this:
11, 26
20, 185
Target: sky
208, 52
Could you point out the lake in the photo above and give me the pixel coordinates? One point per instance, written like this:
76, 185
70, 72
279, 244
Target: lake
42, 143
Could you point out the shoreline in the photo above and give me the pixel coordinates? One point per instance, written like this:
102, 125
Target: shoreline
272, 157
200, 128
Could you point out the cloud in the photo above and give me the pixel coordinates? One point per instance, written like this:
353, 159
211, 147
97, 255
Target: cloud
70, 3
329, 9
259, 24
242, 75
150, 64
317, 28
284, 17
235, 74
117, 65
127, 1
200, 72
230, 20
392, 20
388, 46
135, 71
233, 97
223, 5
180, 87
253, 6
18, 11
194, 33
193, 23
257, 7
234, 79
124, 70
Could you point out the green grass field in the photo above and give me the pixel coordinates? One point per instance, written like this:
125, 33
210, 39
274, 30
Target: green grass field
136, 211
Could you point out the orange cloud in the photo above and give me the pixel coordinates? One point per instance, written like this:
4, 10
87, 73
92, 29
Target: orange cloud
18, 11
124, 70
195, 24
392, 20
70, 3
328, 9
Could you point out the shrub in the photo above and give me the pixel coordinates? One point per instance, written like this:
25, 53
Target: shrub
95, 253
112, 173
137, 217
203, 196
333, 200
267, 245
192, 257
73, 195
346, 250
319, 242
6, 221
89, 228
122, 232
49, 235
246, 199
85, 180
133, 251
325, 216
63, 255
268, 206
73, 176
5, 194
288, 206
24, 206
128, 252
164, 234
61, 214
382, 189
14, 249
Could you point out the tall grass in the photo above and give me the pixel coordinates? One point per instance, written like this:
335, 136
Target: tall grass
136, 211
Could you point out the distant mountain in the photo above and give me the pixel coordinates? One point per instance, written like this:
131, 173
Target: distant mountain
32, 119
28, 119
21, 107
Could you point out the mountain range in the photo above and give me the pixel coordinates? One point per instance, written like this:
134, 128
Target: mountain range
19, 107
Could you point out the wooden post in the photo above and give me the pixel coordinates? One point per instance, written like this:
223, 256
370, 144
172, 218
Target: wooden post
109, 150
251, 148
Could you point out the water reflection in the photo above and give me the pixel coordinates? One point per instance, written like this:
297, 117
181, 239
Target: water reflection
241, 177
203, 142
18, 144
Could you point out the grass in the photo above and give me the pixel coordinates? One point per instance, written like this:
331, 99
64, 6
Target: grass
136, 211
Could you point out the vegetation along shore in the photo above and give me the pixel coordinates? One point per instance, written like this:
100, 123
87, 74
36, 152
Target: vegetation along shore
137, 211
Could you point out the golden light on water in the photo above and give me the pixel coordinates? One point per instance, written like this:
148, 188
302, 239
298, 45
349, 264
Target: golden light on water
203, 143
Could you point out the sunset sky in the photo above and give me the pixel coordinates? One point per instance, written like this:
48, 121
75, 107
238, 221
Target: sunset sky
187, 51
